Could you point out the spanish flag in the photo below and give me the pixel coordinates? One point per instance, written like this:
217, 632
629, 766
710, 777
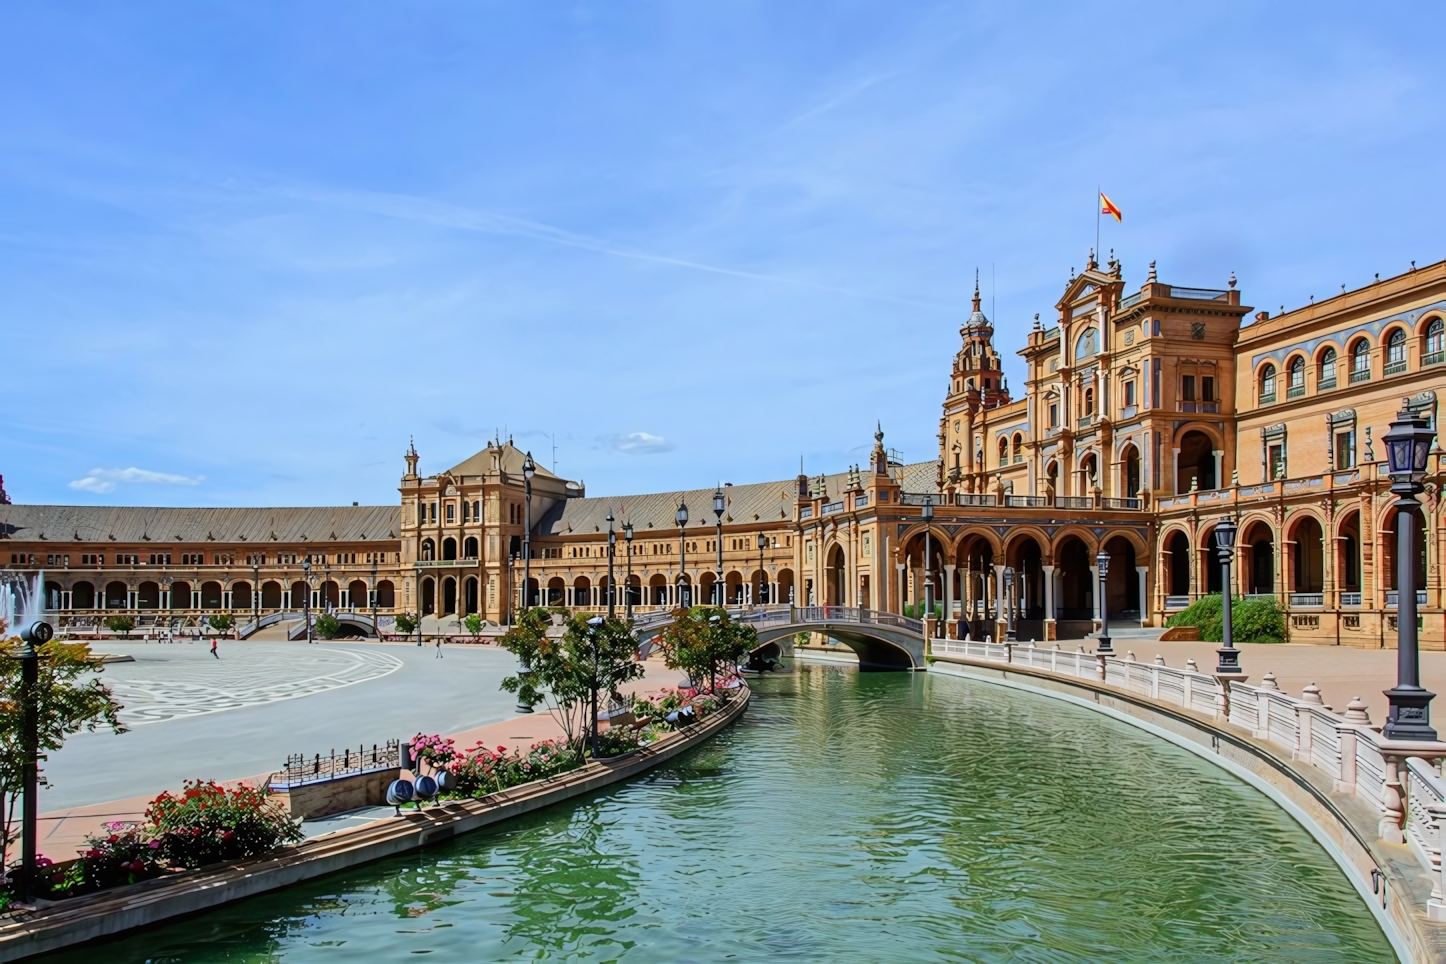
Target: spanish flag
1108, 207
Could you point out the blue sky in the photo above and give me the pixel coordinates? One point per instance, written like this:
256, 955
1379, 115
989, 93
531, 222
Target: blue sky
248, 249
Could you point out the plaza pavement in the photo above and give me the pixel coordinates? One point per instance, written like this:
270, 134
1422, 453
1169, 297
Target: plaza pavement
238, 717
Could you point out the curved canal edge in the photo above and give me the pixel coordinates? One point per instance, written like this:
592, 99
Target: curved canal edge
121, 909
1340, 824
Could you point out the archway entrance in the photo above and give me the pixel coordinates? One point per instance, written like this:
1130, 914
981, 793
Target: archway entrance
1177, 552
1197, 462
1076, 590
835, 578
1027, 558
1308, 567
1262, 559
1122, 582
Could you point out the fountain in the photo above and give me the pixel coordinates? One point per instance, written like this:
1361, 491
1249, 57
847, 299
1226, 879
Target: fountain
21, 599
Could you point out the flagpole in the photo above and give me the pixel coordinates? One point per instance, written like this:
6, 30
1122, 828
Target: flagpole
1098, 193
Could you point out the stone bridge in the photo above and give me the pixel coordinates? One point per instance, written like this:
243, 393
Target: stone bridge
881, 640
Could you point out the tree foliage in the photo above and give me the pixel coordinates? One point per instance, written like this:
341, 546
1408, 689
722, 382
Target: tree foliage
69, 697
1255, 620
222, 622
565, 670
406, 623
120, 624
473, 623
703, 640
327, 626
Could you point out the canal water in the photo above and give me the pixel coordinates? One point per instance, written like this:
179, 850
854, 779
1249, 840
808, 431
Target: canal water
846, 817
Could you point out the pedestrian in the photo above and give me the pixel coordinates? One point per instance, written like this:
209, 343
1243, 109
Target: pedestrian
439, 647
213, 647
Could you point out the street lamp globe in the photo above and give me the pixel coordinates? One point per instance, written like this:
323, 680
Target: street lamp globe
1408, 447
529, 467
1225, 536
681, 516
718, 503
927, 512
1102, 560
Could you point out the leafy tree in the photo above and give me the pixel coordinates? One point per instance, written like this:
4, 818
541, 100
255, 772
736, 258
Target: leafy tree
327, 626
406, 623
567, 671
120, 624
473, 623
703, 639
222, 622
69, 699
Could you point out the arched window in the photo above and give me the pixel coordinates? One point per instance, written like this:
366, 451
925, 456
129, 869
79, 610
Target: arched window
429, 549
1267, 384
1088, 344
1089, 401
1003, 451
1435, 352
1396, 352
1018, 447
1296, 388
1361, 361
1327, 377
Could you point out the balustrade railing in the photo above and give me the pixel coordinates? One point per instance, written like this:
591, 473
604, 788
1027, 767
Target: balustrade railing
1393, 598
301, 769
1307, 600
1073, 502
1027, 501
1351, 600
966, 499
1122, 503
1177, 602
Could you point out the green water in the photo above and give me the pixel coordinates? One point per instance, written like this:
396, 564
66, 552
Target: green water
846, 817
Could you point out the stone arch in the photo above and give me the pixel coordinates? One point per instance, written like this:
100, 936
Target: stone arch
1432, 333
271, 594
1394, 341
300, 595
330, 594
1257, 538
429, 596
1131, 467
429, 550
356, 594
386, 595
582, 591
1347, 557
1075, 591
1122, 582
117, 595
784, 582
1265, 383
240, 594
1196, 460
469, 548
469, 595
1175, 554
1017, 444
148, 595
1025, 552
1359, 351
1305, 535
1208, 557
556, 591
1387, 571
658, 590
449, 549
211, 594
82, 595
1327, 364
835, 578
449, 595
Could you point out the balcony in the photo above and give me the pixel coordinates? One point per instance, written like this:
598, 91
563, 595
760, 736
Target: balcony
1295, 391
1433, 358
833, 508
1177, 602
1393, 598
861, 501
1350, 600
1073, 502
1122, 504
967, 499
1267, 398
1307, 600
1325, 384
1396, 367
1364, 375
1026, 501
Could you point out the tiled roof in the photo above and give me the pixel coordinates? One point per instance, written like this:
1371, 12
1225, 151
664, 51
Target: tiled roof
71, 523
758, 502
512, 459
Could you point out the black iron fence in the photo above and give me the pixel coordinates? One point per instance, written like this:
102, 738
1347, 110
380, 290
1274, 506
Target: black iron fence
301, 769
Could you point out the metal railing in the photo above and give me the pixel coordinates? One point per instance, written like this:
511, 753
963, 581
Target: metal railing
301, 769
1130, 300
1267, 398
1177, 602
966, 499
854, 614
1364, 375
1295, 391
1393, 598
1198, 294
1086, 421
1122, 503
1433, 358
1395, 367
833, 508
1073, 502
1027, 501
1325, 383
1307, 600
1351, 600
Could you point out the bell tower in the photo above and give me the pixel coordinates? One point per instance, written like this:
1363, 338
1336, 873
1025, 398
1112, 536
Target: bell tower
976, 383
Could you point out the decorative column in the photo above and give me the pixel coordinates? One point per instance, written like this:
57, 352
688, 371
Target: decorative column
903, 588
1001, 618
1095, 594
1144, 572
1219, 469
949, 619
1175, 472
1049, 623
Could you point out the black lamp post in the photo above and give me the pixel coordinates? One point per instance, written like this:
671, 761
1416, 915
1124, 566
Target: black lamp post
758, 599
529, 469
682, 519
628, 586
36, 634
256, 591
718, 505
1009, 600
612, 551
1408, 448
375, 592
1225, 547
594, 626
1102, 560
927, 514
306, 596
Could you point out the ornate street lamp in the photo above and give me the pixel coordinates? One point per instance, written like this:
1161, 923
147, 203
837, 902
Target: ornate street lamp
1102, 560
529, 469
719, 503
36, 634
306, 597
758, 599
1225, 548
927, 514
594, 626
1408, 448
681, 516
612, 551
256, 591
628, 586
1009, 600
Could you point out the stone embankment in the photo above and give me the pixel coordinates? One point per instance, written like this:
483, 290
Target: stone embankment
121, 909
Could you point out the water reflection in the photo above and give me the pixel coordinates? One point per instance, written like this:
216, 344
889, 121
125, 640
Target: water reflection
848, 817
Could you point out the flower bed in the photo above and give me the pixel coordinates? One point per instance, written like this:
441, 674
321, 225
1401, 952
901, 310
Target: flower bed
483, 770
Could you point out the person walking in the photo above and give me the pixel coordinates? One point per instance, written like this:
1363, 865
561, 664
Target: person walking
439, 647
213, 647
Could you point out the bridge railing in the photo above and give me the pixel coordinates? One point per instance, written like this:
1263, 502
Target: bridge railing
1401, 781
853, 614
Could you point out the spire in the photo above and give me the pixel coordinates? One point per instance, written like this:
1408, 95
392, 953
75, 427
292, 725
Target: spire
976, 291
411, 458
976, 317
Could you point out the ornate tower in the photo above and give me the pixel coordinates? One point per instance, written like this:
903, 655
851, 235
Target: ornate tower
976, 383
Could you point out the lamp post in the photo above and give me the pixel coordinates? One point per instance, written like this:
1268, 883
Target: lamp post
927, 514
758, 599
529, 469
594, 625
718, 505
628, 587
375, 592
1408, 449
37, 633
612, 551
1225, 548
306, 597
256, 591
681, 516
1009, 600
1102, 560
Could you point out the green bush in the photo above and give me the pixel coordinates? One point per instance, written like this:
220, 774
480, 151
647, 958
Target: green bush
207, 823
406, 623
327, 626
1257, 620
120, 624
222, 622
473, 623
918, 611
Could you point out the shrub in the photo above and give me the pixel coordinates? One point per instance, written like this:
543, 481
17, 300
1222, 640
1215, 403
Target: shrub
327, 626
612, 742
125, 854
120, 624
483, 770
222, 622
1256, 620
207, 823
436, 750
919, 611
473, 623
406, 623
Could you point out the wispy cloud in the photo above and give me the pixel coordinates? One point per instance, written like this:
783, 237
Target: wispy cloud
101, 481
638, 443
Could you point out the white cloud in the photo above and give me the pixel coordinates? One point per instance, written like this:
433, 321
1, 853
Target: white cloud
638, 443
102, 481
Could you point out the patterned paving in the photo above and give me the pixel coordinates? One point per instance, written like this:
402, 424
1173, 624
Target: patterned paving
172, 680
